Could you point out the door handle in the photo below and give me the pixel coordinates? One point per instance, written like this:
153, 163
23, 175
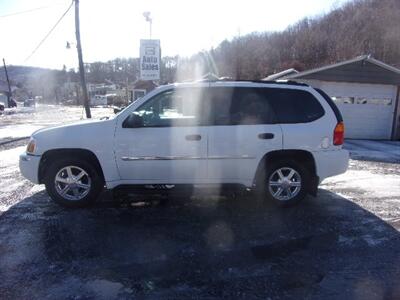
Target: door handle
266, 136
193, 137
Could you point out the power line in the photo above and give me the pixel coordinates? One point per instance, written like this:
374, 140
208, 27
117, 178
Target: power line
27, 11
51, 30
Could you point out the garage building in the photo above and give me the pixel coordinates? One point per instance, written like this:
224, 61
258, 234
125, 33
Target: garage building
365, 90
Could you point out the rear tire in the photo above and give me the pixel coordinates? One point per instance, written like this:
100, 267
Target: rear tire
284, 183
73, 182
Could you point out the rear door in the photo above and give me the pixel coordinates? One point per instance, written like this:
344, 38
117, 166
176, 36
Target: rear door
243, 130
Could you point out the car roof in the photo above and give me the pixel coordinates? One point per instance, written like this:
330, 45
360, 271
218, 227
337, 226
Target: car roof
238, 83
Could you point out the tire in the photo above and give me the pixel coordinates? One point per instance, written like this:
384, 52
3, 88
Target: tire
290, 177
80, 191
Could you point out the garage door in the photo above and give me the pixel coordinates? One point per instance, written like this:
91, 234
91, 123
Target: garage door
367, 109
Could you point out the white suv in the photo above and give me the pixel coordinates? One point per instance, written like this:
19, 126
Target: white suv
278, 138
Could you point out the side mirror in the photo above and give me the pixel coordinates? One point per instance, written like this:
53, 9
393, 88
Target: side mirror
133, 121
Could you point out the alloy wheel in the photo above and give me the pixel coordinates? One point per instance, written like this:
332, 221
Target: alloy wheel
72, 183
284, 184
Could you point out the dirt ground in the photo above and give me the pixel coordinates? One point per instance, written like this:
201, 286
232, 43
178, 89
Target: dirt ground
342, 244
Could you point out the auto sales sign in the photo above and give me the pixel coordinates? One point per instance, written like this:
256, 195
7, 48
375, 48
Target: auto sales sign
149, 59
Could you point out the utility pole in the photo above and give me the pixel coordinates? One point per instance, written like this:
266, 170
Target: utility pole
8, 83
81, 66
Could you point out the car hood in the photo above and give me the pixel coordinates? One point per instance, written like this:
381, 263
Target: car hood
88, 134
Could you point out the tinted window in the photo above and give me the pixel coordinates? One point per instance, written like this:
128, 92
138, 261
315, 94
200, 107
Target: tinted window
331, 104
294, 106
180, 107
239, 106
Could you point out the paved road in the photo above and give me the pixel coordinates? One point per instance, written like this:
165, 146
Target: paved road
343, 244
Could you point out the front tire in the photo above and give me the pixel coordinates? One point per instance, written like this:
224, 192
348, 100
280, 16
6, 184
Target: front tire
73, 182
284, 182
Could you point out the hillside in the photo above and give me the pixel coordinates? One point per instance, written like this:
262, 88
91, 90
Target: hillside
358, 27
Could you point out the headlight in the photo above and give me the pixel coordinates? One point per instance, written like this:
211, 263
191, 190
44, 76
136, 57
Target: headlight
31, 146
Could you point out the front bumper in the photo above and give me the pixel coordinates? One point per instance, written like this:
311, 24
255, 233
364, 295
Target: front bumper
29, 166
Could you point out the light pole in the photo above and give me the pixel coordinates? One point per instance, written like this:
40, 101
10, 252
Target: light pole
149, 19
80, 59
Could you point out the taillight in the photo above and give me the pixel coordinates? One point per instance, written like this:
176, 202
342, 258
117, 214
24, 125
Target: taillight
338, 134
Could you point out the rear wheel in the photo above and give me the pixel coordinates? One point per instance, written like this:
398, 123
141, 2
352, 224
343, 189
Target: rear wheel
73, 182
284, 182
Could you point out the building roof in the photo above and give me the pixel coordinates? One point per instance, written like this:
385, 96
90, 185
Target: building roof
362, 69
281, 74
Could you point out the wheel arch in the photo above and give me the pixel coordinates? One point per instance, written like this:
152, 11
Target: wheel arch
50, 155
300, 156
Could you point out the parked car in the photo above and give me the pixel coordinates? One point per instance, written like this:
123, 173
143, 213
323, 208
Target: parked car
2, 106
277, 139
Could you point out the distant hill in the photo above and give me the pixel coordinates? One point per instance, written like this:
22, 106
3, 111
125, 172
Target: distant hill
34, 81
358, 27
24, 74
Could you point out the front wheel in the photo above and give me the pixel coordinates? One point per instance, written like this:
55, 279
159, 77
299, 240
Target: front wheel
284, 183
73, 182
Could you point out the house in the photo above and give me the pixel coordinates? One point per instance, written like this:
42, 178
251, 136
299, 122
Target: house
139, 88
99, 93
366, 91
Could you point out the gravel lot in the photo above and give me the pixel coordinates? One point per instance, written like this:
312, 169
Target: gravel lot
342, 244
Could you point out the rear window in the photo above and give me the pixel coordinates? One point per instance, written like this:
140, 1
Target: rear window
294, 106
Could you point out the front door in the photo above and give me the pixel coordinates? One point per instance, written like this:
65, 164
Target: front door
167, 144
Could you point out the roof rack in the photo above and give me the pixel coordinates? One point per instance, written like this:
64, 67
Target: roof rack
285, 82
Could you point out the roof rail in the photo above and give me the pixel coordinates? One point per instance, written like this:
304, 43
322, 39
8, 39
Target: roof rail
285, 82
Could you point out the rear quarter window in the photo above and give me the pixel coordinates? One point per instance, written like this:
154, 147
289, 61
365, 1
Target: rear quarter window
331, 104
294, 106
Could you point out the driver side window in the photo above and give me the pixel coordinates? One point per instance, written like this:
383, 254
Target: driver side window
178, 107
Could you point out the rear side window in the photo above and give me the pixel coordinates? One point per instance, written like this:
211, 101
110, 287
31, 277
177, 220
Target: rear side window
239, 106
294, 106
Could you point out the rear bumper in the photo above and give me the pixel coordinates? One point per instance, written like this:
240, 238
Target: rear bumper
331, 163
29, 166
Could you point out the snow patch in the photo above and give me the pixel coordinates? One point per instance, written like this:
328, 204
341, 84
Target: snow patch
384, 185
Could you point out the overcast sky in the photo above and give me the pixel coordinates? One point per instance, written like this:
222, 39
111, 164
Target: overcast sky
111, 29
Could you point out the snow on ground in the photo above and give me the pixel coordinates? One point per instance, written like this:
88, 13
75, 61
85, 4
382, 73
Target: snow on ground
17, 131
11, 180
367, 182
386, 151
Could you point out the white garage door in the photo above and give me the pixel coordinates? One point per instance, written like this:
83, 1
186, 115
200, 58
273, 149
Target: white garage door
367, 109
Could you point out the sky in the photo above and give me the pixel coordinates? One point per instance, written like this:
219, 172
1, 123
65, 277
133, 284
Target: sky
111, 29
